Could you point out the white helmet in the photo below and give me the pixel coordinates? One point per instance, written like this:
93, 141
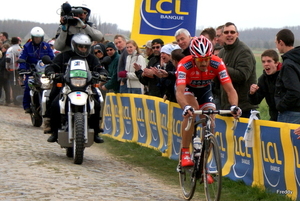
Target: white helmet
37, 32
81, 39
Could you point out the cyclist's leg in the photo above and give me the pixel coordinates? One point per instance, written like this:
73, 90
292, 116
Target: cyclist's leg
187, 135
206, 102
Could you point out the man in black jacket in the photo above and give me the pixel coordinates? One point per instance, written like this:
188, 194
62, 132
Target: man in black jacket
287, 92
148, 77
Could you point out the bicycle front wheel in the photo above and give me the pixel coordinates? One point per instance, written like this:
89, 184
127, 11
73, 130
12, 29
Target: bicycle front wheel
212, 170
187, 181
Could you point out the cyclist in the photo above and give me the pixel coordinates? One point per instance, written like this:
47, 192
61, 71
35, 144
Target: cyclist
193, 87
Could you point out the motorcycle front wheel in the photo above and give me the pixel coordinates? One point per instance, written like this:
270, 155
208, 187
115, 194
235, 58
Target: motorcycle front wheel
78, 142
36, 118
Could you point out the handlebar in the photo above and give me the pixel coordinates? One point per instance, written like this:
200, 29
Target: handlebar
208, 112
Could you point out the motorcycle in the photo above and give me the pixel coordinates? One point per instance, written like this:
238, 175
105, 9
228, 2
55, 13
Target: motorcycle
76, 105
38, 83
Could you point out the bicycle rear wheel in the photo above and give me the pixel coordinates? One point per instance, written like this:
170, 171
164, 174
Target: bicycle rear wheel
212, 171
187, 179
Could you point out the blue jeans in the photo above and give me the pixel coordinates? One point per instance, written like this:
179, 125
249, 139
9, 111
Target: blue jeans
135, 90
289, 117
123, 88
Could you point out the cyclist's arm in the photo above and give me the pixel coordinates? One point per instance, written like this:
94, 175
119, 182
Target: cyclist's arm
180, 97
231, 93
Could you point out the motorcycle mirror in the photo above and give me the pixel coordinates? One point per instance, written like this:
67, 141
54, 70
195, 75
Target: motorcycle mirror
46, 59
21, 61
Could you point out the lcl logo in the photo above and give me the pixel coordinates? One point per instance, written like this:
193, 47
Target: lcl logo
163, 10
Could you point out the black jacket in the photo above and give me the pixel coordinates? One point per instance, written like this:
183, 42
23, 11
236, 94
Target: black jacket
4, 74
287, 92
266, 90
152, 83
62, 59
167, 83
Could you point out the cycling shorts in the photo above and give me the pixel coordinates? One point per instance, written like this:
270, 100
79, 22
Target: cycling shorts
203, 96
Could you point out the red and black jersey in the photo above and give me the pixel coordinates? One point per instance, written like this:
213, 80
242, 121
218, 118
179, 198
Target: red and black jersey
188, 73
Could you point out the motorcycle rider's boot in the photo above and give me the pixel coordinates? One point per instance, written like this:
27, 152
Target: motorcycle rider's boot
47, 126
28, 110
52, 138
97, 138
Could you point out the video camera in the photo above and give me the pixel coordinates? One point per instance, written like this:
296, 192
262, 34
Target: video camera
68, 12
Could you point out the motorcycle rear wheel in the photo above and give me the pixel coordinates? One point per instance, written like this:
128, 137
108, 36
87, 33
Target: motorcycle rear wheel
78, 143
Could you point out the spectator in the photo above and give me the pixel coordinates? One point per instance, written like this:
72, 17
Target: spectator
176, 56
113, 85
147, 76
12, 55
79, 24
183, 38
265, 88
217, 49
167, 72
4, 38
209, 33
120, 43
134, 58
1, 43
4, 76
219, 35
51, 43
287, 92
149, 51
240, 63
100, 53
32, 53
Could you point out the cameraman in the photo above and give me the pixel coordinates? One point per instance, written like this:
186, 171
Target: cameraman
74, 20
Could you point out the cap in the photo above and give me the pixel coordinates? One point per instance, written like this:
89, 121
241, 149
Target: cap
148, 44
98, 47
168, 48
159, 41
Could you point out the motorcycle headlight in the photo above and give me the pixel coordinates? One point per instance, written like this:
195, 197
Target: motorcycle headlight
78, 82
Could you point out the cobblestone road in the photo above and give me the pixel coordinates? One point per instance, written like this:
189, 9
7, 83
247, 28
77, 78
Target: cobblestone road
33, 169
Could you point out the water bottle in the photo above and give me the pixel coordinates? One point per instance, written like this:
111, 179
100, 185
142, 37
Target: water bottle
197, 144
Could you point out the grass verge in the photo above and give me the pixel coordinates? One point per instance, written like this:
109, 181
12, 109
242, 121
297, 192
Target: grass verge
164, 169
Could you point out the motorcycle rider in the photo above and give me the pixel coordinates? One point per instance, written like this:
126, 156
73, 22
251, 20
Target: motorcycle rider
81, 46
67, 28
33, 52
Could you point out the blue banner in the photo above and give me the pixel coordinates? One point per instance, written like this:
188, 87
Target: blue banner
164, 17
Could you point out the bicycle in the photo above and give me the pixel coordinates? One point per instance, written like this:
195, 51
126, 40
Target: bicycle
207, 160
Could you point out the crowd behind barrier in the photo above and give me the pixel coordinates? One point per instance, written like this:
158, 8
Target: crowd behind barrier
272, 163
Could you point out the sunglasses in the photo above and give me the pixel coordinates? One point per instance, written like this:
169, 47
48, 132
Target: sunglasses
108, 50
231, 32
85, 13
82, 46
97, 52
155, 47
201, 59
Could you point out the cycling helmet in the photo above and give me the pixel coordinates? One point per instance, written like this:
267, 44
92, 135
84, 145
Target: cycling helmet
37, 32
201, 47
81, 39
